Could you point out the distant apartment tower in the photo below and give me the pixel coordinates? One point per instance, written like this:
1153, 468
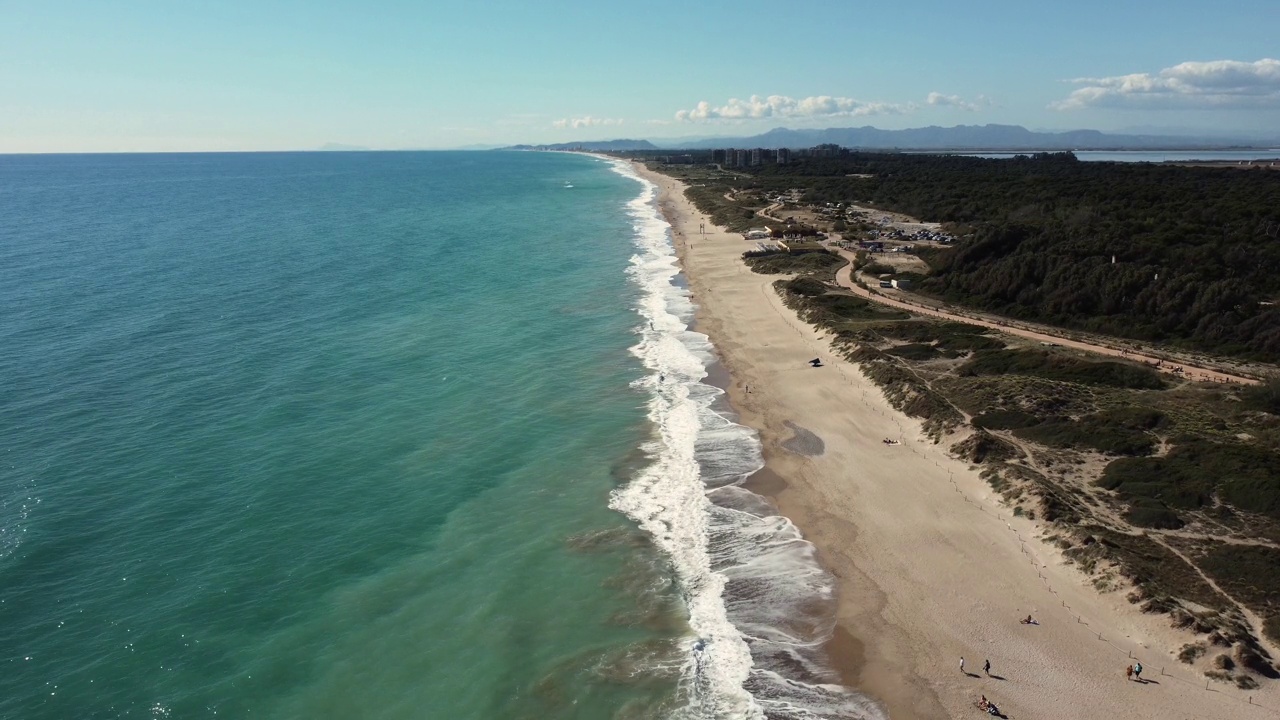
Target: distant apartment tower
826, 150
743, 158
730, 157
757, 156
784, 156
717, 157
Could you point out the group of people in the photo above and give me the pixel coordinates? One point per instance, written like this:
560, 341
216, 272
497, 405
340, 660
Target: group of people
1132, 672
890, 441
986, 666
986, 705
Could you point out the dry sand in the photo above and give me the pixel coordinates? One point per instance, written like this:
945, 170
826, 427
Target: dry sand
930, 566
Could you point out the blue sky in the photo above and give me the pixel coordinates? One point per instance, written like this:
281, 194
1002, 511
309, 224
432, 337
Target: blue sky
133, 75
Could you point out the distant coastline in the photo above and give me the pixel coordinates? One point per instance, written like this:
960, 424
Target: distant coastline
960, 138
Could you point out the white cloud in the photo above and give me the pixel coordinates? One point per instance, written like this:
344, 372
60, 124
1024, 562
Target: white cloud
584, 122
781, 106
937, 99
1219, 83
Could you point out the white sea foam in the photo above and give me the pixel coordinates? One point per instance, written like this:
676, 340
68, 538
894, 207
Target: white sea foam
760, 605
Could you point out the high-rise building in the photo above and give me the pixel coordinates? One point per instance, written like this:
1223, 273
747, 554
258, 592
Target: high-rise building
757, 156
784, 156
743, 158
717, 157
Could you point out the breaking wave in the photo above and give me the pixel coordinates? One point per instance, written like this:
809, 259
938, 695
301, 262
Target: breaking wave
760, 606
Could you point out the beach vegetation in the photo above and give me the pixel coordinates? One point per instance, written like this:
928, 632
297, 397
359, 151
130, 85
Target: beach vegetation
1005, 420
1198, 473
1152, 252
837, 306
1250, 573
983, 447
1192, 652
1157, 572
915, 351
1264, 397
1087, 433
805, 286
908, 391
782, 262
1059, 366
1271, 626
1150, 513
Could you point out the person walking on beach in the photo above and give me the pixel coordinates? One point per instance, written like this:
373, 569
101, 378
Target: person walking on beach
1128, 673
962, 664
1137, 672
986, 666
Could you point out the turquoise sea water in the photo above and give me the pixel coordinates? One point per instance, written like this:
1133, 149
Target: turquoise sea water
375, 435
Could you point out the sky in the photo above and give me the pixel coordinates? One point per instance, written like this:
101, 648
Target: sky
196, 75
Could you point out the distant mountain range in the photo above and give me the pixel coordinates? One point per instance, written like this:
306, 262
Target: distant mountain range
591, 146
960, 137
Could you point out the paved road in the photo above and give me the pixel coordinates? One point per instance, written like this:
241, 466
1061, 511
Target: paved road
844, 277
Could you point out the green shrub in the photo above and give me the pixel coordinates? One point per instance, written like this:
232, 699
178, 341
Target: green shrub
925, 331
969, 343
1153, 514
851, 307
1171, 482
952, 338
1271, 628
1005, 420
1133, 418
807, 287
914, 351
1064, 368
1084, 434
983, 447
1249, 572
1264, 397
1246, 476
780, 262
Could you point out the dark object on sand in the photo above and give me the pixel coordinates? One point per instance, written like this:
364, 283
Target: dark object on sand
816, 362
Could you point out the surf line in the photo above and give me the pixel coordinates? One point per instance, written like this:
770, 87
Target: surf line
746, 595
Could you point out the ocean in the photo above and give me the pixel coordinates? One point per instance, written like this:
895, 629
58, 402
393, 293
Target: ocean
377, 435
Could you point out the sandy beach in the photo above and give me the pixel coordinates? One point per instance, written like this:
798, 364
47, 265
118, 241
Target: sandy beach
930, 566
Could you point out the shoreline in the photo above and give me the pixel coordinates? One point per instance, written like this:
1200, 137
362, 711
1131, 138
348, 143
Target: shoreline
929, 565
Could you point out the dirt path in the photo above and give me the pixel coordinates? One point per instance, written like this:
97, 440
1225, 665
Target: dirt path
844, 276
1255, 623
